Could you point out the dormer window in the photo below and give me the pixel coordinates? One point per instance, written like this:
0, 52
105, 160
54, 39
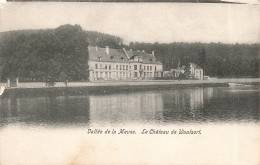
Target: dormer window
99, 58
151, 60
123, 60
112, 57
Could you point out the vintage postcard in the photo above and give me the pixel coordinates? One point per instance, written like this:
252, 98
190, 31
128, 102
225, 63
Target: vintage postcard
129, 82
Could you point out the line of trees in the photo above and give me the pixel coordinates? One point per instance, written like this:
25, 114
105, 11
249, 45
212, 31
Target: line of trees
217, 59
62, 53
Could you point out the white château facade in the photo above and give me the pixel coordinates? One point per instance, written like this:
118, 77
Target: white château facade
121, 64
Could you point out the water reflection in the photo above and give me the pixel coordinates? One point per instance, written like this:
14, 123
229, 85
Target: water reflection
157, 106
46, 109
185, 104
145, 106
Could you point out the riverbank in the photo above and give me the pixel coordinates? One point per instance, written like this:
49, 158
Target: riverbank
76, 88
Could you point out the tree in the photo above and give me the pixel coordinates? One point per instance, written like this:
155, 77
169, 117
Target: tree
46, 53
186, 63
202, 59
72, 53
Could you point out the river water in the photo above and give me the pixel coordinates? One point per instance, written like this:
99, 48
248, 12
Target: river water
189, 105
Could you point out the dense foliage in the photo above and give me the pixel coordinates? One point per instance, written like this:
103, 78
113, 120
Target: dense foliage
59, 53
218, 59
62, 53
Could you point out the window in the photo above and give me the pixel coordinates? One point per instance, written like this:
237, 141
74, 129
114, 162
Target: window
109, 67
144, 67
156, 74
123, 67
135, 74
105, 66
112, 57
126, 67
120, 67
96, 66
100, 66
99, 58
116, 67
140, 66
150, 67
155, 68
96, 74
135, 67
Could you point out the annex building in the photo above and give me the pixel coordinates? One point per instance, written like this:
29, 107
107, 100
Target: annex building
120, 64
196, 72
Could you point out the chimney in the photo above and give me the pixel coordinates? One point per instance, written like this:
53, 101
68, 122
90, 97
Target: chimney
107, 50
96, 48
152, 53
143, 51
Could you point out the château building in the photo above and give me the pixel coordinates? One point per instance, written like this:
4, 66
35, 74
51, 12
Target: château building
120, 64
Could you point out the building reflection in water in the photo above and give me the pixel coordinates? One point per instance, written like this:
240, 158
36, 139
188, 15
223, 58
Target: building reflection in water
141, 106
185, 104
148, 106
153, 106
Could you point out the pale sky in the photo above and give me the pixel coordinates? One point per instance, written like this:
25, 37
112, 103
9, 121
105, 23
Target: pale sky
142, 22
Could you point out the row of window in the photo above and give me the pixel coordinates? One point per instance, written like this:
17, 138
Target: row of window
120, 75
199, 72
109, 67
122, 67
145, 67
108, 75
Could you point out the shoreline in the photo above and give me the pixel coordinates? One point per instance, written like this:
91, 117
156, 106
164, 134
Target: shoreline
84, 88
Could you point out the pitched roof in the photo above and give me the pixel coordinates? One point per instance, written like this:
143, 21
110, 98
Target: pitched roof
117, 54
146, 58
196, 66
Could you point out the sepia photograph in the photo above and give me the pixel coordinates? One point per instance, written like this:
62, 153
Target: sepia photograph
129, 83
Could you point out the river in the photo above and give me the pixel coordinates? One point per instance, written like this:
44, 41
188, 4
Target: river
189, 105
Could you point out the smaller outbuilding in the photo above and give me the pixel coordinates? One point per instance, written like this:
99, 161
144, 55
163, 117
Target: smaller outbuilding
196, 72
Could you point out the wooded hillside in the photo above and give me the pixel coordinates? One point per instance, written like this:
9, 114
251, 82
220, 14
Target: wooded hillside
63, 53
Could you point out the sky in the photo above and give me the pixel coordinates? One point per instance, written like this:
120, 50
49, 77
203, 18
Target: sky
142, 22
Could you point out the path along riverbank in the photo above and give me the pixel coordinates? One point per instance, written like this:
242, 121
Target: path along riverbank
38, 88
